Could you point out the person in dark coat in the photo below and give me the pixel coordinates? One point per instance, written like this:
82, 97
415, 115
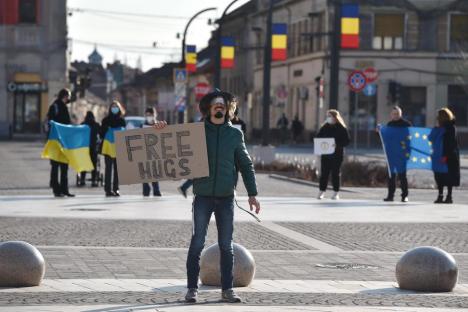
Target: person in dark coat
150, 119
58, 112
397, 121
450, 156
297, 128
90, 121
283, 124
334, 127
237, 121
114, 119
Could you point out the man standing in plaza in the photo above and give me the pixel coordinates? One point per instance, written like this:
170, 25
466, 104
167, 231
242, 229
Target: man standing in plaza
58, 112
215, 193
397, 121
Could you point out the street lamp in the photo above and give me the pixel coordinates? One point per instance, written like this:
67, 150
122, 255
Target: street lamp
186, 29
217, 77
267, 79
180, 117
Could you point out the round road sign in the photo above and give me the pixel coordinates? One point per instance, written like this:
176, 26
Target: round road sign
371, 74
357, 81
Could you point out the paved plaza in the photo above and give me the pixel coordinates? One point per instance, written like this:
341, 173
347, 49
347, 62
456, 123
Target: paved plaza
128, 253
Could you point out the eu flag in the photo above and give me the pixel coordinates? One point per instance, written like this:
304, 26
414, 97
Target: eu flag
413, 148
69, 144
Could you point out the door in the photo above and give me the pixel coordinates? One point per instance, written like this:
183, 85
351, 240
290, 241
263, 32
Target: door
27, 113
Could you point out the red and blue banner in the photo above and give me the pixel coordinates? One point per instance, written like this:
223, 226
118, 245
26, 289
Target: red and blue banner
227, 52
350, 26
279, 42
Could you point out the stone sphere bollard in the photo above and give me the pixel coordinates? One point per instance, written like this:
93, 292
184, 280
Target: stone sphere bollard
427, 269
243, 270
21, 264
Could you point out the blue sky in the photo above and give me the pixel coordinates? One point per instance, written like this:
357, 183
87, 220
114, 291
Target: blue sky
126, 37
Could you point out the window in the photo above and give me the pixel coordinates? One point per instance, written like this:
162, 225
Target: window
458, 32
388, 31
27, 12
413, 103
458, 103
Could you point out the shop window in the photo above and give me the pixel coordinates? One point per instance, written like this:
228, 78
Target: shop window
458, 32
388, 31
458, 103
27, 11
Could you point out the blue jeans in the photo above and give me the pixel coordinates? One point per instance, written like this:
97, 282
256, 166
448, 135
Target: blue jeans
186, 185
203, 207
147, 189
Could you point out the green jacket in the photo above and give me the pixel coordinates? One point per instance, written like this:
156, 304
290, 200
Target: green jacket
226, 150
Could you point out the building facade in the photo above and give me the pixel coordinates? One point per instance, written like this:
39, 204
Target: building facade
417, 46
34, 62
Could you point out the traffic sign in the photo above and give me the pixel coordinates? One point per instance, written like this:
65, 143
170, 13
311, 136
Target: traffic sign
180, 75
201, 89
371, 74
357, 81
370, 89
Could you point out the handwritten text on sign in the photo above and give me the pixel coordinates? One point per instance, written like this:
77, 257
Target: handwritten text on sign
175, 152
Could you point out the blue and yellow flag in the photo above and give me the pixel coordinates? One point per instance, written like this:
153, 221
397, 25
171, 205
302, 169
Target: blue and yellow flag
108, 145
413, 148
69, 144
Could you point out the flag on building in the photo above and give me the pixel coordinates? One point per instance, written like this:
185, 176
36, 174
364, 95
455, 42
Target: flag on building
413, 148
350, 26
69, 144
191, 58
108, 145
279, 42
227, 52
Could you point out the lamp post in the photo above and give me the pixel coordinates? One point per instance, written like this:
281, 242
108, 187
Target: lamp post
267, 79
186, 29
181, 114
217, 77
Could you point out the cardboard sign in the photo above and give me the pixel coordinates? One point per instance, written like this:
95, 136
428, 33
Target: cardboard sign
173, 153
324, 146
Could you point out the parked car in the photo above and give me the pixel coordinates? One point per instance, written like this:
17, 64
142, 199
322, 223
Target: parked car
134, 122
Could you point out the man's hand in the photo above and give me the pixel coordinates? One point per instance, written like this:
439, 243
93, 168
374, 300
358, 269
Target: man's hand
160, 124
254, 202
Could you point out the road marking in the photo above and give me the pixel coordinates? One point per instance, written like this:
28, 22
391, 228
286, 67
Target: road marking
306, 240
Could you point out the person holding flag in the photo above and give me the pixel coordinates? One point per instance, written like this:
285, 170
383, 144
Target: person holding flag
397, 120
114, 121
215, 193
450, 156
58, 112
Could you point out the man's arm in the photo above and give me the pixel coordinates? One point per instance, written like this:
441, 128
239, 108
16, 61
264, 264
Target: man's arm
248, 173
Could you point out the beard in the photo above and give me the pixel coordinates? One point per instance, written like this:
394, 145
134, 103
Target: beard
219, 115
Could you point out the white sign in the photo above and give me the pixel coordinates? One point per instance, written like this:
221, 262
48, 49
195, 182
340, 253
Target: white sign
324, 146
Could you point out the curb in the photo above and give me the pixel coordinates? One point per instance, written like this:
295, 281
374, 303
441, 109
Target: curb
303, 182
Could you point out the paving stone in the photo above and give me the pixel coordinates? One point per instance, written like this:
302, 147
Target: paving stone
452, 237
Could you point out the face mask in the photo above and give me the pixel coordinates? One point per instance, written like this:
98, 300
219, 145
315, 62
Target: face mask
149, 119
115, 110
219, 115
330, 120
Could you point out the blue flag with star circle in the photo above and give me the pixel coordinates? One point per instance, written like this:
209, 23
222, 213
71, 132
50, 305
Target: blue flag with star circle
413, 148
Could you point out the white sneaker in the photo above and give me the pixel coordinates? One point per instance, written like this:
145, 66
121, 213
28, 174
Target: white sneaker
321, 195
336, 196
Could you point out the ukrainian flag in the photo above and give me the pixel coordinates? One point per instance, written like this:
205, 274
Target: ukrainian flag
69, 144
413, 148
108, 145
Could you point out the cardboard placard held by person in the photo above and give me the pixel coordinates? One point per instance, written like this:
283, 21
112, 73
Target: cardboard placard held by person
173, 153
324, 146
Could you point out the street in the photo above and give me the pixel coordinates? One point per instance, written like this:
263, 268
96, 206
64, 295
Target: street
128, 253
